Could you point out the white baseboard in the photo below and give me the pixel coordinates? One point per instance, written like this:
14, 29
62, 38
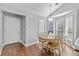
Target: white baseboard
10, 43
1, 50
26, 45
70, 45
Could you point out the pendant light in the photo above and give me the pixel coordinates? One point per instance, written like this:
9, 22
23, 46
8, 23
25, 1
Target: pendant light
50, 17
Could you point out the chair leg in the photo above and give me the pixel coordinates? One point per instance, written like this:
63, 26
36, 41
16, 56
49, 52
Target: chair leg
54, 52
62, 47
59, 50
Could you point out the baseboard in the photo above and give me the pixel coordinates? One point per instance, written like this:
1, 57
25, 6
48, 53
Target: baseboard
1, 50
31, 43
69, 45
10, 43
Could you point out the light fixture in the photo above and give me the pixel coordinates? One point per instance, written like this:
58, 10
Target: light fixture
50, 17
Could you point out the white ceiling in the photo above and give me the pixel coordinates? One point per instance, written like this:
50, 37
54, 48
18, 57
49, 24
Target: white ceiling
41, 9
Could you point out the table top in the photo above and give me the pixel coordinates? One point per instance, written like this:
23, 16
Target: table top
46, 37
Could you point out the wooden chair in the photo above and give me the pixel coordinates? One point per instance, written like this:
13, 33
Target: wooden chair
61, 40
42, 42
53, 46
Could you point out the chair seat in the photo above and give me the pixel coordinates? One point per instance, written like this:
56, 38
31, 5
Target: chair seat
52, 45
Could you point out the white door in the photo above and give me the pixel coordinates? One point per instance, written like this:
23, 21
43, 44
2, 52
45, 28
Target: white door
12, 29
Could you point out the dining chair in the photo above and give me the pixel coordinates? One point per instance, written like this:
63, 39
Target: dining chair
61, 40
42, 42
54, 45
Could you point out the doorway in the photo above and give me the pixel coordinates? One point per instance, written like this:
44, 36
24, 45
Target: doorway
11, 28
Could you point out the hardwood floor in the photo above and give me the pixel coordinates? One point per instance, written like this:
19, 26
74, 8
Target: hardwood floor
34, 50
18, 49
14, 49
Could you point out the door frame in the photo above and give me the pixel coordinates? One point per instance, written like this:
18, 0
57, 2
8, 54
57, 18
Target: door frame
3, 44
24, 17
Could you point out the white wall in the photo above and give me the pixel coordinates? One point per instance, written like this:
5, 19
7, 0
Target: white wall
41, 26
31, 23
1, 28
31, 28
75, 25
23, 29
78, 22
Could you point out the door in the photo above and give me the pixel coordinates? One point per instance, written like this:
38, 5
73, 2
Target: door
12, 28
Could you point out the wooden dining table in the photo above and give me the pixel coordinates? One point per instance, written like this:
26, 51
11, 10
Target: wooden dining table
48, 38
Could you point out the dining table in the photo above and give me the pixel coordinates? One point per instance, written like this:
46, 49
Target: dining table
45, 39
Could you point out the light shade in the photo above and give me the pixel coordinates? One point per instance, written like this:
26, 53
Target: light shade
50, 18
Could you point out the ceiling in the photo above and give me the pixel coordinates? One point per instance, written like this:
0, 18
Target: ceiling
41, 9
